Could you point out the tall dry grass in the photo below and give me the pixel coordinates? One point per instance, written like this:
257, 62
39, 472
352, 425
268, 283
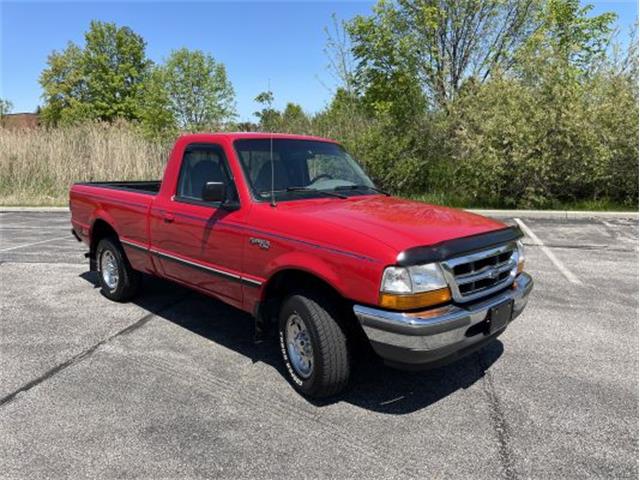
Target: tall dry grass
37, 166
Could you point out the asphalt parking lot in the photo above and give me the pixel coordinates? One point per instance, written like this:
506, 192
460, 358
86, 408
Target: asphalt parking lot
172, 385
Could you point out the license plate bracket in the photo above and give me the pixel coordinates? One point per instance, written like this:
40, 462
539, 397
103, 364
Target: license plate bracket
499, 316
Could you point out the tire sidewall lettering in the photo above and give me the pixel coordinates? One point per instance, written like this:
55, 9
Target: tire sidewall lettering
287, 362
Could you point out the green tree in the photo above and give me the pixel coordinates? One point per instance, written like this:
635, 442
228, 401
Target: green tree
5, 107
199, 94
419, 52
102, 80
245, 127
156, 116
294, 120
568, 34
64, 87
115, 65
268, 117
549, 130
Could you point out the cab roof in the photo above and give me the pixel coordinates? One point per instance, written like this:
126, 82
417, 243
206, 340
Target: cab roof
231, 136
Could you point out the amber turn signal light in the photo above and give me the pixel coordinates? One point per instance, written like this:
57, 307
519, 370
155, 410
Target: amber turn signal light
415, 300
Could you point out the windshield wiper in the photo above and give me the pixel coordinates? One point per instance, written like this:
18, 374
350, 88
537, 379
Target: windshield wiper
307, 189
361, 187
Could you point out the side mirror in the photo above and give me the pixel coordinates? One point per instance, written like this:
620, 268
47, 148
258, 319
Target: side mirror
214, 192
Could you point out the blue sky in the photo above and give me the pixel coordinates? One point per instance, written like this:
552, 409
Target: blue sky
280, 42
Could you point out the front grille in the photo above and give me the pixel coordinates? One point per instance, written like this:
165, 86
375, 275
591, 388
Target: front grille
481, 273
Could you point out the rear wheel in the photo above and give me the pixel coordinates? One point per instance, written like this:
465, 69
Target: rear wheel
118, 280
313, 345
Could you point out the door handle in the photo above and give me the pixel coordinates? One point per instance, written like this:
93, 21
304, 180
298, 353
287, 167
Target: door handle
168, 218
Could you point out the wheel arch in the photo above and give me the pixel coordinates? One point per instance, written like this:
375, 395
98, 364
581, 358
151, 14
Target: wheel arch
100, 228
290, 280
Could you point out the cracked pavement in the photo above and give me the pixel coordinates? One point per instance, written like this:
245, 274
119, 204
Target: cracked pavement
172, 385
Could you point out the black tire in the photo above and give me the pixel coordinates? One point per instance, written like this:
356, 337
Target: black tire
331, 357
128, 282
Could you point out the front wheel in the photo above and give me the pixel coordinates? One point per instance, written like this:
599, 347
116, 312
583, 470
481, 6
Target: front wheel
118, 280
313, 345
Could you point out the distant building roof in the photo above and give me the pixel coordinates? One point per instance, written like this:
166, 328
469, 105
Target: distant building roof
20, 120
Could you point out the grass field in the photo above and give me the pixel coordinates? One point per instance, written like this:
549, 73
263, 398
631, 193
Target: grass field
37, 166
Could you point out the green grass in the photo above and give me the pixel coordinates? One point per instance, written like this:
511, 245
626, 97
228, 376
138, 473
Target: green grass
598, 205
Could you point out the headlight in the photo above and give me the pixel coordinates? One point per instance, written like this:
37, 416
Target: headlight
520, 256
396, 280
426, 277
413, 287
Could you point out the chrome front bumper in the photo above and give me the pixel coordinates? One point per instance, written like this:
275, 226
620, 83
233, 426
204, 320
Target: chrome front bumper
437, 336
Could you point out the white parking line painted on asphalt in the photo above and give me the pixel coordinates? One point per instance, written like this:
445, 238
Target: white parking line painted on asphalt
24, 245
564, 270
3, 227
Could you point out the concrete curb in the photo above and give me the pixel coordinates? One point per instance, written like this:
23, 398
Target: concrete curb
34, 209
553, 214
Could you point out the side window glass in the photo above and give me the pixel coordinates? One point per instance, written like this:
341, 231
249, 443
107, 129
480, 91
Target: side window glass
199, 166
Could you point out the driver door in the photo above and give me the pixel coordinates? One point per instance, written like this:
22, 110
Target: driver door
195, 241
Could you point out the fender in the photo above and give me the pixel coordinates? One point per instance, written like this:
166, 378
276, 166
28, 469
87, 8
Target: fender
308, 263
257, 302
98, 215
101, 214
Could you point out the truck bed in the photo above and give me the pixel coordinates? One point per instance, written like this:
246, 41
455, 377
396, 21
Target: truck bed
150, 187
123, 205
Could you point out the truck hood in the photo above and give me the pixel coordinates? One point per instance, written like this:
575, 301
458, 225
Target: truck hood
398, 223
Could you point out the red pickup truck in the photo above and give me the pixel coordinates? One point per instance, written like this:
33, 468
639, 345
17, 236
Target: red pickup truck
290, 229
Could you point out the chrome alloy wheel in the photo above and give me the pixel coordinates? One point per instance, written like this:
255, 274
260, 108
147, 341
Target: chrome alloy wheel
299, 346
109, 269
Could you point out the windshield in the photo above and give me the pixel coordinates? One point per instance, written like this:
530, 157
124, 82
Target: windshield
302, 168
